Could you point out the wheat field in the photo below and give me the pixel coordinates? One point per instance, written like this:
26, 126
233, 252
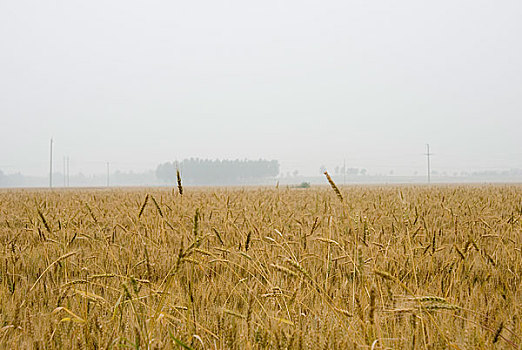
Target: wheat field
369, 267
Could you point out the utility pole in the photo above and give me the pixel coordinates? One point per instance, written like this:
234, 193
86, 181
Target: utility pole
428, 154
51, 164
107, 174
64, 168
344, 172
67, 171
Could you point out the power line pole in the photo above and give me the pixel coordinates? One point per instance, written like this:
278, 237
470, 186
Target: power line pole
107, 174
64, 169
67, 171
428, 154
51, 164
344, 172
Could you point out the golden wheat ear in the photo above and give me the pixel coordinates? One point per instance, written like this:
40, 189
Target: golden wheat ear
334, 186
180, 188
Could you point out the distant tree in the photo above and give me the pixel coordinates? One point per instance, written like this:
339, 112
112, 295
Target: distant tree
166, 172
207, 171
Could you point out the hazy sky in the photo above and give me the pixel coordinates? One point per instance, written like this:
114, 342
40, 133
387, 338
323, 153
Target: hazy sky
137, 83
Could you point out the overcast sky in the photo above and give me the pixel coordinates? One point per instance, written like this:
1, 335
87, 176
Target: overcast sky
309, 83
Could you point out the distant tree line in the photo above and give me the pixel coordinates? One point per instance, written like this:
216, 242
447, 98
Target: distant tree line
343, 170
218, 172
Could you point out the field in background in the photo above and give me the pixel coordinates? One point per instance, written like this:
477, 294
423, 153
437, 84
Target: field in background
410, 267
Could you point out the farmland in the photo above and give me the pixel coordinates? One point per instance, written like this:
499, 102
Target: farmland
370, 267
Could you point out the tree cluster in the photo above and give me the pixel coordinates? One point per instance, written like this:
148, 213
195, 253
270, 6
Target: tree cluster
198, 171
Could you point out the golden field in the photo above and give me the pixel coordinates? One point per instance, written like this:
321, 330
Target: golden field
386, 267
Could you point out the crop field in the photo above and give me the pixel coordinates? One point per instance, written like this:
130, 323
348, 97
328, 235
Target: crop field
362, 267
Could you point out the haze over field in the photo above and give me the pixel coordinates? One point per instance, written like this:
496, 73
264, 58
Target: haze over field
308, 83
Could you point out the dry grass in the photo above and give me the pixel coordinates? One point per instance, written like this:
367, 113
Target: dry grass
388, 267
